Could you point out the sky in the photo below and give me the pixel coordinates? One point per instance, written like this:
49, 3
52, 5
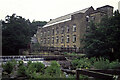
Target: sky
44, 10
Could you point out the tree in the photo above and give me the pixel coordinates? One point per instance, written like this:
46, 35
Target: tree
35, 25
103, 39
17, 33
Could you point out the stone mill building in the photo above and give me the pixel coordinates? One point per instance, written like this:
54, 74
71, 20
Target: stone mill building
68, 30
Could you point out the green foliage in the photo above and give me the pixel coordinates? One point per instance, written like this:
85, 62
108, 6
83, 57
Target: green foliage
65, 52
29, 62
36, 46
30, 70
8, 66
114, 65
33, 68
103, 39
83, 77
16, 33
20, 63
53, 70
96, 63
39, 67
34, 26
83, 63
21, 70
101, 63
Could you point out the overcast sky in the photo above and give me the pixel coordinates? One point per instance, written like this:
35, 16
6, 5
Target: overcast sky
44, 10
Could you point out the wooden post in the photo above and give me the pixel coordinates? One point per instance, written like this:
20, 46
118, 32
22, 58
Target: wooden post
77, 75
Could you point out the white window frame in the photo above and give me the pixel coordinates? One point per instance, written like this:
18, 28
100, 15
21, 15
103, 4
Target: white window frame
57, 39
74, 28
68, 39
62, 39
68, 29
74, 38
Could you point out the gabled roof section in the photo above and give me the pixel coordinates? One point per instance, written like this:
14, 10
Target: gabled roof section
64, 18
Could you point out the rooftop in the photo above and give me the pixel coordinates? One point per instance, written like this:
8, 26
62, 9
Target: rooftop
64, 18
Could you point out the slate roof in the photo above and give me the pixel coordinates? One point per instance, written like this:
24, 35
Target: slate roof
104, 6
64, 18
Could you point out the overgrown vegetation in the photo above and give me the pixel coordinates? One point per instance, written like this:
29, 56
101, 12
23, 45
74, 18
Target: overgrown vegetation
9, 66
36, 70
103, 38
95, 63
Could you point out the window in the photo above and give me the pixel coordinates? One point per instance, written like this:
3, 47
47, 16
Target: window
62, 30
57, 39
57, 31
44, 41
48, 32
74, 38
41, 41
62, 39
87, 28
74, 28
41, 34
62, 46
53, 31
52, 40
92, 18
67, 46
67, 29
44, 33
68, 39
74, 46
48, 40
87, 19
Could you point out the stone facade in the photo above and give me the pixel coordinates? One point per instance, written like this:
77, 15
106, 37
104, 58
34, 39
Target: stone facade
68, 30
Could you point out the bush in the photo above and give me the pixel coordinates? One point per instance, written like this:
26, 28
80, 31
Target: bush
30, 70
39, 67
65, 52
29, 62
114, 65
53, 70
21, 71
35, 68
83, 63
97, 63
101, 63
8, 66
20, 63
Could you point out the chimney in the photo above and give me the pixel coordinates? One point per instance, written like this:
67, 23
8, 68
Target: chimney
50, 19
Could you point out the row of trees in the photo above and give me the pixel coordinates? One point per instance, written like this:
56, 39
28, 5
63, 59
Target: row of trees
17, 32
103, 39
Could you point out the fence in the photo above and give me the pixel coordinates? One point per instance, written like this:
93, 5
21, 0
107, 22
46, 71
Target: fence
109, 74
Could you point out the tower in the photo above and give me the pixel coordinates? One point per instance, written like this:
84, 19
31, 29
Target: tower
107, 9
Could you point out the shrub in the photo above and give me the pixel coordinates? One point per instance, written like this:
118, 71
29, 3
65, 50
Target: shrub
21, 70
34, 68
29, 62
114, 64
8, 66
101, 63
83, 63
75, 63
30, 70
53, 70
39, 67
65, 53
20, 63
